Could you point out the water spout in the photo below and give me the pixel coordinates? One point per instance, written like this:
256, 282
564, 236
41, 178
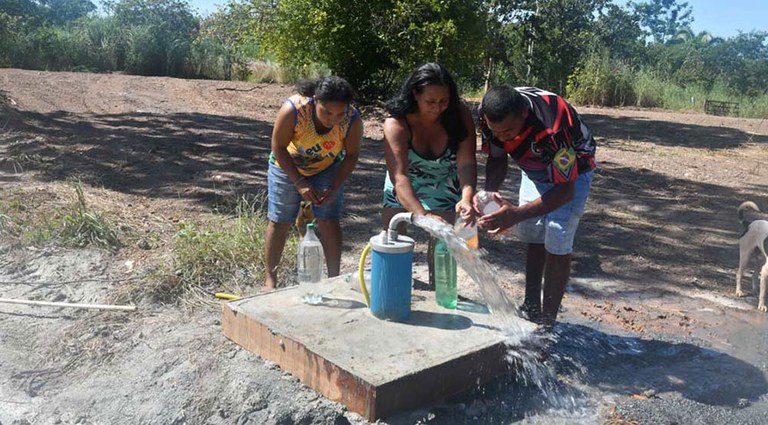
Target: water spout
395, 221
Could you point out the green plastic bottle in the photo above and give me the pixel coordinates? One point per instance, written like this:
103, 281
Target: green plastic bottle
446, 291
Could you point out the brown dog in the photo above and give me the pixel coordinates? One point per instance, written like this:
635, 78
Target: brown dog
754, 238
306, 216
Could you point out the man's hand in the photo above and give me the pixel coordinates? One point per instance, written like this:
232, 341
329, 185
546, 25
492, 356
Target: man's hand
506, 217
476, 201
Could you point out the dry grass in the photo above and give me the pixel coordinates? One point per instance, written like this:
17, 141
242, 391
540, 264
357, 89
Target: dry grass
224, 255
28, 220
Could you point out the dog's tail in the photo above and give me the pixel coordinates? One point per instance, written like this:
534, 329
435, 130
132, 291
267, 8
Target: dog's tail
745, 221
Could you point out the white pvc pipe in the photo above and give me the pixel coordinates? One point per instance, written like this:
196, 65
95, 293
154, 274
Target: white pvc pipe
70, 305
399, 218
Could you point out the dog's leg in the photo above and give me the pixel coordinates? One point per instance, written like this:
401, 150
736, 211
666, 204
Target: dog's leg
763, 277
743, 261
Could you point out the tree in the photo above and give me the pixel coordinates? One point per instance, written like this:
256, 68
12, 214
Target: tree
549, 38
237, 29
742, 62
662, 19
372, 44
59, 12
618, 30
47, 12
337, 33
158, 34
700, 40
449, 32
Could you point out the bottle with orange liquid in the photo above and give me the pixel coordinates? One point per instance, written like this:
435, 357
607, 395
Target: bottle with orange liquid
467, 232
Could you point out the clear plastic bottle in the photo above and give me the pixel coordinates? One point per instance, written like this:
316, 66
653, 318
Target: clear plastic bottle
467, 232
310, 262
446, 291
487, 204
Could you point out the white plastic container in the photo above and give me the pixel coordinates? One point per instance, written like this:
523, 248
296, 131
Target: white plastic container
487, 204
311, 257
467, 232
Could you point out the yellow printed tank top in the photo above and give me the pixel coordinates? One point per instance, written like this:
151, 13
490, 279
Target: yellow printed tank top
311, 151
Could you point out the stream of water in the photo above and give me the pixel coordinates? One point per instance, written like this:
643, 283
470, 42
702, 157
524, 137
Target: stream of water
526, 346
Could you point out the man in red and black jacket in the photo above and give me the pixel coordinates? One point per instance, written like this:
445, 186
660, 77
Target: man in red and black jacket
555, 151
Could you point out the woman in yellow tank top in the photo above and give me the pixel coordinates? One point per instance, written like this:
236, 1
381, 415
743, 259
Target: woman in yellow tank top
315, 146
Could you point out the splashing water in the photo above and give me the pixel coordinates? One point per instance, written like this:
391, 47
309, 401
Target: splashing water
525, 345
312, 299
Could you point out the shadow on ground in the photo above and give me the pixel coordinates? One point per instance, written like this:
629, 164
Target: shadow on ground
658, 224
667, 133
645, 226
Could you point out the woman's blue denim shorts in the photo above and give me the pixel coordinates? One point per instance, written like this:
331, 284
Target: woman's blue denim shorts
284, 200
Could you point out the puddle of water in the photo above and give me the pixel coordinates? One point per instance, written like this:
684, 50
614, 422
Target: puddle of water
312, 299
526, 347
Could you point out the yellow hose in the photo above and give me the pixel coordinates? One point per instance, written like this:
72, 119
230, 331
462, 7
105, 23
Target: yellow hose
362, 276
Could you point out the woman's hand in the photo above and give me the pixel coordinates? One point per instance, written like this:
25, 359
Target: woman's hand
325, 195
466, 211
307, 192
432, 215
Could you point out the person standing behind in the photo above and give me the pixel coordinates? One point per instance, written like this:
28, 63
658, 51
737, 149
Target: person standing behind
555, 151
315, 147
430, 151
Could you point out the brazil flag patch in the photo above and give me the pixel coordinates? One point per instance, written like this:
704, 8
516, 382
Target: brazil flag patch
564, 159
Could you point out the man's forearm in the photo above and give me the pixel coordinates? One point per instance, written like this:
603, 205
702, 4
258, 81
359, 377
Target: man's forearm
555, 198
495, 173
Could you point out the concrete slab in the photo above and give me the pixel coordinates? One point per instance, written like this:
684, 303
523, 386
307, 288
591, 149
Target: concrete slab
376, 368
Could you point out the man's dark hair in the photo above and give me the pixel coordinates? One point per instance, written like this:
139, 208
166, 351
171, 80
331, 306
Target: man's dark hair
327, 89
427, 75
501, 101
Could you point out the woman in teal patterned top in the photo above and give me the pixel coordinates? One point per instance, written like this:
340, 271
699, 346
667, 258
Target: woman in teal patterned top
430, 150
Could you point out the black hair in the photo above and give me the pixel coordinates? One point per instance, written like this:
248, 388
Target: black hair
327, 89
501, 101
426, 75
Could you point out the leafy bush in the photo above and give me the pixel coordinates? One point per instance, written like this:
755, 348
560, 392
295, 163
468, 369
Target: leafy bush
649, 89
601, 81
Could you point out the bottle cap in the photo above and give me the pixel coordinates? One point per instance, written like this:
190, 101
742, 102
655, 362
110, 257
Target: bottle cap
311, 226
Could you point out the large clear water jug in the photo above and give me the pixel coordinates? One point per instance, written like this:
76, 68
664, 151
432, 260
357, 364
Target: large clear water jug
311, 257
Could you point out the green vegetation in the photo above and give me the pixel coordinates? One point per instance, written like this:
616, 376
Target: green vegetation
81, 227
226, 255
594, 51
75, 226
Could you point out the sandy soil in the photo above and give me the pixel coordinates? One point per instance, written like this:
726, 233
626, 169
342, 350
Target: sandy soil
651, 306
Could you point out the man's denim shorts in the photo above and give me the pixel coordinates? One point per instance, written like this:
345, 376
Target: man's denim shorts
557, 229
284, 199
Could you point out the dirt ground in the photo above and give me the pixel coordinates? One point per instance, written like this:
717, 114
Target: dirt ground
651, 331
